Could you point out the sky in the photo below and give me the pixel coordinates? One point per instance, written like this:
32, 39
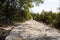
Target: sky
48, 5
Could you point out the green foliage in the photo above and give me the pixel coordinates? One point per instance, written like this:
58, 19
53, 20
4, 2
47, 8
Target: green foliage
48, 18
27, 15
57, 21
22, 15
37, 17
15, 10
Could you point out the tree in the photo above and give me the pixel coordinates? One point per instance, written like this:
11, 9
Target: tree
9, 9
57, 23
37, 17
26, 4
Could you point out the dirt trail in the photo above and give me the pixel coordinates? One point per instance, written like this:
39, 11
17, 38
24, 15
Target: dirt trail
33, 30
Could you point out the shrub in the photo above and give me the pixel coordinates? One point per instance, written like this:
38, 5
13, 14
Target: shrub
48, 18
37, 17
57, 21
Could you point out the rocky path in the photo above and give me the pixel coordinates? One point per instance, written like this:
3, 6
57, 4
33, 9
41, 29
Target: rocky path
33, 30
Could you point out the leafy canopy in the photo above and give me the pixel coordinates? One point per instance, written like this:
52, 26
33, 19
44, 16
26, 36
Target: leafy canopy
11, 10
26, 4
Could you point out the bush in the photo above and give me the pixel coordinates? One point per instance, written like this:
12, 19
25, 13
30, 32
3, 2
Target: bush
48, 18
28, 15
57, 21
22, 15
37, 17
